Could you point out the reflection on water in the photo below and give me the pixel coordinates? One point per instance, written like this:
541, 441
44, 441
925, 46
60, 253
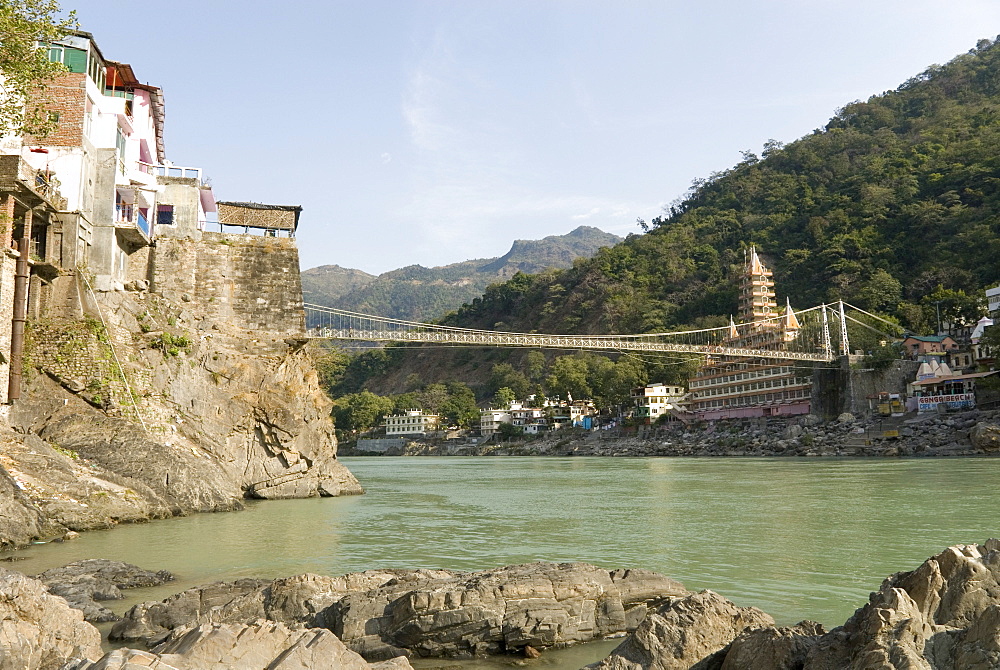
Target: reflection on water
797, 538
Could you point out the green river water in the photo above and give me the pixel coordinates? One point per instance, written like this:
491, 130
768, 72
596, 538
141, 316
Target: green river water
799, 538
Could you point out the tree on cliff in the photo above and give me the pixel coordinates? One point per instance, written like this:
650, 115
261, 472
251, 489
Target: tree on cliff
25, 68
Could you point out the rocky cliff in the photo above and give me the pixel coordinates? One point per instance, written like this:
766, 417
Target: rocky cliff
146, 408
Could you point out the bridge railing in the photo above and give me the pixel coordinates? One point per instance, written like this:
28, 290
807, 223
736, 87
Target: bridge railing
804, 335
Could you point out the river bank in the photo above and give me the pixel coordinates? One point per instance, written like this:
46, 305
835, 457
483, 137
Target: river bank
943, 614
969, 433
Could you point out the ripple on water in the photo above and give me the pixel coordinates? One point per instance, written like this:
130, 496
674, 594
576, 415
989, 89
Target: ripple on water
798, 538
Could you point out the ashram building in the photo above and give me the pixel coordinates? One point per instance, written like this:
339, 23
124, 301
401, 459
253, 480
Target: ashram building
730, 388
411, 422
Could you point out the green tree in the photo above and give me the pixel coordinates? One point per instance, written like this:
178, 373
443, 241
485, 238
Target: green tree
881, 291
25, 66
568, 375
433, 398
504, 375
361, 411
534, 364
504, 397
460, 409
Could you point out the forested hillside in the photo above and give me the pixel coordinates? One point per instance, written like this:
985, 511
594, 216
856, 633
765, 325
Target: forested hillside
894, 205
893, 198
422, 294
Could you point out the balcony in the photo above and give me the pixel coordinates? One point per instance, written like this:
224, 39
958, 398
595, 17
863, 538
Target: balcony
129, 218
170, 171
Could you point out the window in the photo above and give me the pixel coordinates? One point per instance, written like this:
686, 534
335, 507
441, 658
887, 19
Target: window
165, 215
120, 143
75, 60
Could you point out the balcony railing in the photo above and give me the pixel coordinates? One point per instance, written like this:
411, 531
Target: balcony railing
129, 218
170, 170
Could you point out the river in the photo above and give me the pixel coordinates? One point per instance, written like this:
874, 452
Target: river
799, 538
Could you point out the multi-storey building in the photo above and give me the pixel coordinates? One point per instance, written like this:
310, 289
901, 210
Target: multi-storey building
654, 400
82, 207
411, 422
750, 387
107, 159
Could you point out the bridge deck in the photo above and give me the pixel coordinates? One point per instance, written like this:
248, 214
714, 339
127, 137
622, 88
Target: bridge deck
608, 343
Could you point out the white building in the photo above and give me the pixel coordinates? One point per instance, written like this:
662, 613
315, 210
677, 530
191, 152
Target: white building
412, 422
654, 400
491, 419
108, 161
993, 301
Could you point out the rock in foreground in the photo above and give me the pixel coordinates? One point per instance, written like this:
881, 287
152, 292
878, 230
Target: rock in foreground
382, 614
39, 631
684, 631
261, 644
944, 615
82, 583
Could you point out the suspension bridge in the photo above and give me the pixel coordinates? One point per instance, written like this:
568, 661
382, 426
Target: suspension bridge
819, 334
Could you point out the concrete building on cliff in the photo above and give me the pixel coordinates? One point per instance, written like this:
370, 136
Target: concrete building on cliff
743, 388
101, 209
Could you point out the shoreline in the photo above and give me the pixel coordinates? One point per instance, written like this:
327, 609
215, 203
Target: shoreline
973, 433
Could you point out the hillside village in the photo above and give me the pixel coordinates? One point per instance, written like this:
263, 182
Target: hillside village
947, 372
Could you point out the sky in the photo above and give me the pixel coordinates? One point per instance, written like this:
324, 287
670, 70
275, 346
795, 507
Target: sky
433, 131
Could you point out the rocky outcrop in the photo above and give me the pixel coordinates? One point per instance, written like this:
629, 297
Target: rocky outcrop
85, 582
783, 648
261, 644
537, 605
688, 632
39, 631
66, 491
151, 622
944, 614
985, 437
209, 415
381, 614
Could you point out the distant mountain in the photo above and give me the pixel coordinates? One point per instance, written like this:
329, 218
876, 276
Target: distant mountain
418, 293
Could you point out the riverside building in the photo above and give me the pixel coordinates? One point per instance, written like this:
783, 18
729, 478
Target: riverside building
411, 422
730, 388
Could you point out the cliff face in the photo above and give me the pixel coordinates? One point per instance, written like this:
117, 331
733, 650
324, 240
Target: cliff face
151, 406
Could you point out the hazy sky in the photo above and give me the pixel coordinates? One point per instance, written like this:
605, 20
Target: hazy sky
432, 131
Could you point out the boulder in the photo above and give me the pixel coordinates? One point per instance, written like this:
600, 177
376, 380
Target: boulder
985, 436
944, 614
84, 582
695, 629
261, 644
39, 631
385, 613
772, 648
150, 622
299, 599
496, 611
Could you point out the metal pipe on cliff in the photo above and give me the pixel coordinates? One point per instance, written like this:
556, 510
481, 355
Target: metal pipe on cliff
21, 272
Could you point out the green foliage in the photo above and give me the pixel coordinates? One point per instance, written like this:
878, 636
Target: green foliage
170, 344
503, 375
503, 398
25, 67
990, 342
360, 411
896, 195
